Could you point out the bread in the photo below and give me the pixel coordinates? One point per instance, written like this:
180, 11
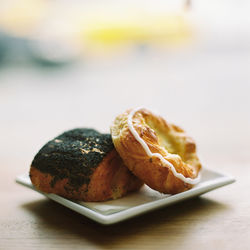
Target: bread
82, 164
159, 153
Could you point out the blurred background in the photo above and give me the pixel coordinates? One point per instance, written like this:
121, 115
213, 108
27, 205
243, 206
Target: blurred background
67, 64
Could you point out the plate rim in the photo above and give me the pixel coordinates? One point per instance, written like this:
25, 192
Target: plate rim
108, 219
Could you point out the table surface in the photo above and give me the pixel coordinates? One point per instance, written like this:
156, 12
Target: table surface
205, 89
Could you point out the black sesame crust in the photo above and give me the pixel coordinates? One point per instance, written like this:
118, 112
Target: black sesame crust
75, 155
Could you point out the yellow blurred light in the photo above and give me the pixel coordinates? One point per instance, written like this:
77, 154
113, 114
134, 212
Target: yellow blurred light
169, 29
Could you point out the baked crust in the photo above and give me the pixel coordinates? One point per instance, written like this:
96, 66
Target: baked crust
169, 140
82, 164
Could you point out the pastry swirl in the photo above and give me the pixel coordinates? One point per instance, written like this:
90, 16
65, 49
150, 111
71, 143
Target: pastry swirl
160, 154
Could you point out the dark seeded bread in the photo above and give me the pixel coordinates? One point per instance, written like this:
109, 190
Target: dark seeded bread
82, 164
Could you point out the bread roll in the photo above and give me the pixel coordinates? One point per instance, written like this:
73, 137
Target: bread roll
82, 164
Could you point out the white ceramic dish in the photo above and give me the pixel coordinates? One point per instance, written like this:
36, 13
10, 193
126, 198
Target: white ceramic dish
137, 203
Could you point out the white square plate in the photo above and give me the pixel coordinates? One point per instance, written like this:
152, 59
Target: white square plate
137, 203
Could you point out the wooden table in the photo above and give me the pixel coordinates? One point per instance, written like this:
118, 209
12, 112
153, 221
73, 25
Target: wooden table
204, 89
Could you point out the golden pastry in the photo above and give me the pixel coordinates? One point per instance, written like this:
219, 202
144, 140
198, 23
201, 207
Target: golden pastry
159, 153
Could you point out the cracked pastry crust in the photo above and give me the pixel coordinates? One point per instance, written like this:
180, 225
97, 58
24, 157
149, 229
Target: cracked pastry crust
170, 165
82, 164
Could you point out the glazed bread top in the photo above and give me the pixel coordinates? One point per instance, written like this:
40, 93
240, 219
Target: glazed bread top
75, 155
159, 153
